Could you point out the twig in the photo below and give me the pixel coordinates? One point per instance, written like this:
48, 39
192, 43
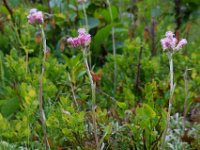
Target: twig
137, 81
102, 92
10, 11
177, 14
49, 7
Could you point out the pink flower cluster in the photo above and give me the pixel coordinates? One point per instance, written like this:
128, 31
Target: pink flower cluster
35, 16
170, 42
83, 39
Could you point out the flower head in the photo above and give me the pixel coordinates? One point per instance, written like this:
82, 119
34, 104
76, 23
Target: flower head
35, 16
169, 43
83, 39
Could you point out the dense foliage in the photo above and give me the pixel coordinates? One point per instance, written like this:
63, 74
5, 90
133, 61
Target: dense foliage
132, 85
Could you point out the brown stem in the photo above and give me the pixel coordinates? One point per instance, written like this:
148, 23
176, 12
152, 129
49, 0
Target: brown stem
10, 11
177, 14
137, 81
12, 19
49, 7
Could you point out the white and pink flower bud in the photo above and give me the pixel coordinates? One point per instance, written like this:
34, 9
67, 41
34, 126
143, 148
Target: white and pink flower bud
170, 42
83, 39
181, 43
35, 16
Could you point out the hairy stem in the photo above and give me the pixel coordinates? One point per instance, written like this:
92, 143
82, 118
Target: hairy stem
170, 57
113, 46
42, 114
93, 88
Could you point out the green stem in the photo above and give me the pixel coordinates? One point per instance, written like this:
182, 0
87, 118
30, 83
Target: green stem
73, 92
186, 98
87, 28
93, 88
85, 16
42, 114
172, 87
26, 61
185, 103
2, 69
113, 46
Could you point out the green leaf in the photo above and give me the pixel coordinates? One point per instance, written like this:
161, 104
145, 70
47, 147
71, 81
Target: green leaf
10, 106
122, 105
114, 14
148, 111
101, 36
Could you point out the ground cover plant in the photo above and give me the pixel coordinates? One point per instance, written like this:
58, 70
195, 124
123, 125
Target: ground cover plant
99, 74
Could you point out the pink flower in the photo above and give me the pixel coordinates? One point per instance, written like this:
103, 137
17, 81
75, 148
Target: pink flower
169, 34
83, 39
35, 16
182, 43
170, 42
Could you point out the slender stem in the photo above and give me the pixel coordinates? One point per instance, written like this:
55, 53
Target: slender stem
113, 46
87, 28
73, 92
93, 88
2, 69
137, 81
170, 57
42, 114
26, 61
5, 3
186, 98
85, 16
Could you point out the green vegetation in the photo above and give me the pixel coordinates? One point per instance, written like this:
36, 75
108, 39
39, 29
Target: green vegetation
125, 103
